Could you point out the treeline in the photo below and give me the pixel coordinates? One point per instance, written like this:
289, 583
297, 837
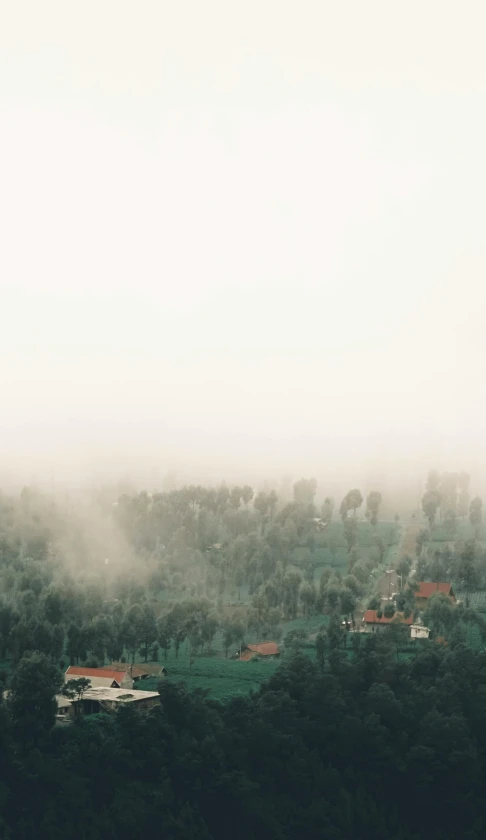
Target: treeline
362, 747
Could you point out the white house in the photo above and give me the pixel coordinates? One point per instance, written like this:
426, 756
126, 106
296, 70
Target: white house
418, 631
101, 699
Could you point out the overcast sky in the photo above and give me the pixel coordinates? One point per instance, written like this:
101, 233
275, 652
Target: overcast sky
241, 236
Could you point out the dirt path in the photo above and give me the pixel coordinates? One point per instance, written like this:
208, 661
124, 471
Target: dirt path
388, 584
410, 539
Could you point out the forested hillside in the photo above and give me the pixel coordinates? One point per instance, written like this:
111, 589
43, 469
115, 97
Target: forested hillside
202, 567
363, 749
334, 739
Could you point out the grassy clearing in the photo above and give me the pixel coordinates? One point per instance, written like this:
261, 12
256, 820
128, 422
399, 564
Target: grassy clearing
477, 599
226, 678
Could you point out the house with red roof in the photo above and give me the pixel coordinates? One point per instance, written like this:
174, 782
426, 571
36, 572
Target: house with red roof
101, 677
427, 588
372, 622
264, 649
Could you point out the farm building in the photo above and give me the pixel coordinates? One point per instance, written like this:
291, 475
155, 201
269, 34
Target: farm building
101, 677
139, 672
264, 649
101, 699
372, 623
426, 589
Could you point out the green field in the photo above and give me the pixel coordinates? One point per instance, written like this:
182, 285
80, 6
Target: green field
477, 599
222, 678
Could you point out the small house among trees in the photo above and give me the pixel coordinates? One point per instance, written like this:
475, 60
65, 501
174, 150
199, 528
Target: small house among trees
264, 649
374, 620
101, 699
427, 588
418, 631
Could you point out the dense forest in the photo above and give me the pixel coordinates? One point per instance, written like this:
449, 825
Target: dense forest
345, 748
336, 740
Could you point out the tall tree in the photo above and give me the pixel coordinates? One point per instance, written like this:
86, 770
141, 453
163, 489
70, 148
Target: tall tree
430, 505
373, 502
131, 629
476, 514
334, 632
235, 497
164, 633
247, 493
350, 532
304, 491
448, 489
352, 501
147, 630
423, 538
291, 586
177, 624
32, 698
261, 503
307, 598
467, 569
327, 510
321, 649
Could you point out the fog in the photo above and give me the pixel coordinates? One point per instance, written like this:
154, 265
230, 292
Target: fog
241, 241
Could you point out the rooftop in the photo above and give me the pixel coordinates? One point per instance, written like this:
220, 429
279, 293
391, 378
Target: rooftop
105, 673
265, 649
137, 670
428, 588
119, 695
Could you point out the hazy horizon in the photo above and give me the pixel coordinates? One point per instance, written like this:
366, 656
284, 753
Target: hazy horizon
241, 241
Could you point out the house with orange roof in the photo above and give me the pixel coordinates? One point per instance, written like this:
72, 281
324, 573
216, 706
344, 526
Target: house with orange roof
101, 677
264, 649
373, 622
427, 589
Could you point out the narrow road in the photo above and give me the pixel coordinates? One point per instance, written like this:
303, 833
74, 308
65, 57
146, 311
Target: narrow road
389, 582
385, 582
